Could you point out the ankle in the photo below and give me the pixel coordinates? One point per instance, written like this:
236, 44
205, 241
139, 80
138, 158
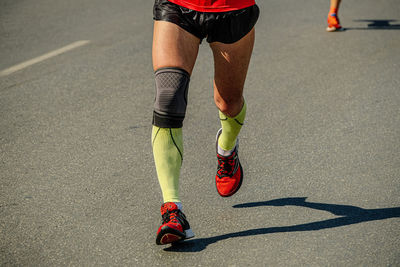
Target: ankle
223, 152
333, 10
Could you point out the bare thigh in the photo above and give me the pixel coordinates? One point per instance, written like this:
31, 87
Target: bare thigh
174, 47
231, 62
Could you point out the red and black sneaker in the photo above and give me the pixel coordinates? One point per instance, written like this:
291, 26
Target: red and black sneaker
229, 173
174, 226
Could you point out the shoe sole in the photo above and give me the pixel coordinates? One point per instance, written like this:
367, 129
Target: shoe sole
169, 235
334, 29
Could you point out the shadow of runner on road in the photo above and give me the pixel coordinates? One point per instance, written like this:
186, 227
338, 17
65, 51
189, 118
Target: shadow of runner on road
376, 24
349, 215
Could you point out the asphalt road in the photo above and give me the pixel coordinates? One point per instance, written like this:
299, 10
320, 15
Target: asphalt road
320, 147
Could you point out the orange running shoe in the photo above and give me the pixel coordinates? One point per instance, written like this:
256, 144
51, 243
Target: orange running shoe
333, 23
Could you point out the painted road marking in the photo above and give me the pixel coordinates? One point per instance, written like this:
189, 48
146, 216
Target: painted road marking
43, 57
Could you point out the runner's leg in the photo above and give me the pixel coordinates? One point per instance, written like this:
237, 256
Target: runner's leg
231, 62
173, 47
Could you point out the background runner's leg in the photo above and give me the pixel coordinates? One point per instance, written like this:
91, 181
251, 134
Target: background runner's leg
335, 4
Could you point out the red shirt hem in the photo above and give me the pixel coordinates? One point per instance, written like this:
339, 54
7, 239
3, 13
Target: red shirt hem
216, 6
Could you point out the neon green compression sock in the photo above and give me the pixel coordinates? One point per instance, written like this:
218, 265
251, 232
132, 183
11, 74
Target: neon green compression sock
230, 129
168, 155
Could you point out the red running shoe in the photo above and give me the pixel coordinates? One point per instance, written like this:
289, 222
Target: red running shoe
174, 226
229, 173
333, 23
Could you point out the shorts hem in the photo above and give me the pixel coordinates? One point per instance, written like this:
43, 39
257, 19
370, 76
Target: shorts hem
187, 29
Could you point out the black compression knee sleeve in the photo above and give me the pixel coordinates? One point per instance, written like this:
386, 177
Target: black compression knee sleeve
171, 97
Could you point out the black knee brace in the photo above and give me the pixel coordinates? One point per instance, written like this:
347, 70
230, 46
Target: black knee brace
171, 97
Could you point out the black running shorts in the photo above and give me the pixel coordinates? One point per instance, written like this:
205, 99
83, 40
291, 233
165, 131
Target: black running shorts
225, 27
